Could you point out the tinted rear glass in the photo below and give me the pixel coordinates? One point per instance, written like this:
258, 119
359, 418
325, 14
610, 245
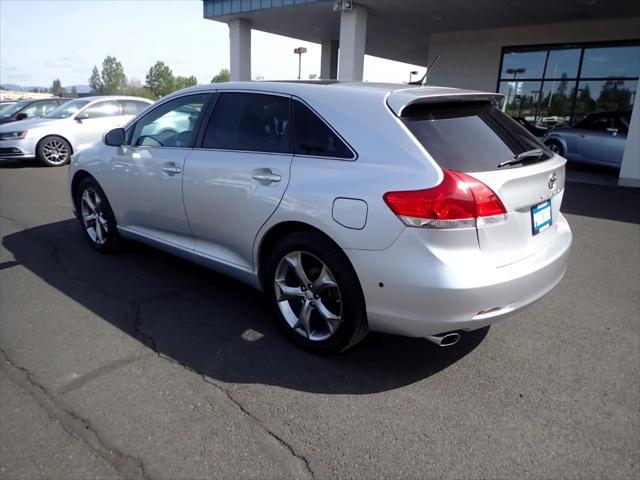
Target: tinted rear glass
314, 137
469, 137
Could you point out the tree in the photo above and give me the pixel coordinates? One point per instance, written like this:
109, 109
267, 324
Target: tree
113, 78
160, 79
57, 89
136, 89
74, 91
95, 81
223, 76
110, 80
184, 82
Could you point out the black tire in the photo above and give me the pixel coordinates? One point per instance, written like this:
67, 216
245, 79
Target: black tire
555, 147
353, 325
111, 240
53, 151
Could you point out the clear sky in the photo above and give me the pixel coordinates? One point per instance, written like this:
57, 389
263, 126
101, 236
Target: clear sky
45, 39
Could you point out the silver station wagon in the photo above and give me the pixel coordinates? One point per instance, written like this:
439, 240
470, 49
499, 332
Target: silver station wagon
418, 211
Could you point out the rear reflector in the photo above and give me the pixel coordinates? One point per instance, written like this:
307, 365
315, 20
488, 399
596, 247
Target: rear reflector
459, 201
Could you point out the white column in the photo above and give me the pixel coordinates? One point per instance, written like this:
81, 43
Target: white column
631, 159
329, 59
240, 49
353, 38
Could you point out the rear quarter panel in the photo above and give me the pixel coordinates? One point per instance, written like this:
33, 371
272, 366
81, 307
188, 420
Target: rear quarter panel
388, 159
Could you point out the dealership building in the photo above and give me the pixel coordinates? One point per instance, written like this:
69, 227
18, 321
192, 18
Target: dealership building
555, 61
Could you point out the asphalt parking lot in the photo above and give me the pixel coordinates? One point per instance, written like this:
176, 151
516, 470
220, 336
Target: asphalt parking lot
143, 366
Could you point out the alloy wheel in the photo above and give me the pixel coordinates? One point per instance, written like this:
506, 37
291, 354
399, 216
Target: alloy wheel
308, 295
554, 148
93, 217
55, 152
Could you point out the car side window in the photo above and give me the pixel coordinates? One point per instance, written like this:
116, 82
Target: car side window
132, 107
34, 110
251, 122
597, 122
172, 124
109, 108
314, 137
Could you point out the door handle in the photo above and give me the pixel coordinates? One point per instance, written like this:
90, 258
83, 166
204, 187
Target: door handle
171, 169
266, 177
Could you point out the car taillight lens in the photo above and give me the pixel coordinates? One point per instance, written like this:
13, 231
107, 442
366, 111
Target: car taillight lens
459, 201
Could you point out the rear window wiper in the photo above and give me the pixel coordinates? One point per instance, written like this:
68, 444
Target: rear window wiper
523, 157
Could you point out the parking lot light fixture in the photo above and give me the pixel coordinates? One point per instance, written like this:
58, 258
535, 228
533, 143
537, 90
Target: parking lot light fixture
299, 51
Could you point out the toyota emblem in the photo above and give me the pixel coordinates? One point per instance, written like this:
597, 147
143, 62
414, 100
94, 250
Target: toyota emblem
553, 178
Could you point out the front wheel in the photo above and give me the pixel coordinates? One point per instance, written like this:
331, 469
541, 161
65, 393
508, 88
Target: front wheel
53, 151
96, 217
555, 147
316, 293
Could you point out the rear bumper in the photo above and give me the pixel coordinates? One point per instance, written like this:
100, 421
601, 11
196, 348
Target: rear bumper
424, 292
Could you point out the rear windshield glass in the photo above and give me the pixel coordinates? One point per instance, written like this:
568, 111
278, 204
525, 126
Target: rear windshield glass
470, 137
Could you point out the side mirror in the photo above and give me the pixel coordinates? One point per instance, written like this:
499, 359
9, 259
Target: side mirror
82, 116
21, 116
115, 137
613, 131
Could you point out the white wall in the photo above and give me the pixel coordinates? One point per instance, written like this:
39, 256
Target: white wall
471, 59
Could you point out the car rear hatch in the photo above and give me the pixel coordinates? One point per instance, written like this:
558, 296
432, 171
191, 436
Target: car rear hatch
466, 132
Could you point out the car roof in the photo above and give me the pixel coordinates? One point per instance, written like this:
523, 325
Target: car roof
113, 97
397, 95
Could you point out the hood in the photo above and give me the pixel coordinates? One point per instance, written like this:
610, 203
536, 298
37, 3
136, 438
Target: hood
27, 124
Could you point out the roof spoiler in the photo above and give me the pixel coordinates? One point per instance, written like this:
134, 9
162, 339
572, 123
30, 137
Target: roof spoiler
399, 100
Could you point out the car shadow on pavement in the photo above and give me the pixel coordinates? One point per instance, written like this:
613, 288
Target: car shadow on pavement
213, 325
21, 163
602, 201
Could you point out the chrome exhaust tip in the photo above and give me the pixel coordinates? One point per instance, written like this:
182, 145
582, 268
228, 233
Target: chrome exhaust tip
445, 339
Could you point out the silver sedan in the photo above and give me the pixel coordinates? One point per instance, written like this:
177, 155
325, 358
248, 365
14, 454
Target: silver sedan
424, 212
597, 139
67, 129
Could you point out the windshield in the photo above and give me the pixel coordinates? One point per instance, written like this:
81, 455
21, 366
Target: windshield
13, 109
5, 106
470, 137
67, 109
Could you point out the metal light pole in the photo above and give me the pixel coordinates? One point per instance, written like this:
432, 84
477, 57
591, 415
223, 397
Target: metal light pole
299, 51
411, 74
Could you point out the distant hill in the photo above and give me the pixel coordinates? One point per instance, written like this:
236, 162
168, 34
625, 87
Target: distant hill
20, 88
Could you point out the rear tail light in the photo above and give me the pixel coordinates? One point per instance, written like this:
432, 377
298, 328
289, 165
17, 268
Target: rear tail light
459, 201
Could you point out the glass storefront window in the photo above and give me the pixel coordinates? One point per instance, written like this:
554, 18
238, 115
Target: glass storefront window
611, 62
525, 64
520, 98
559, 85
604, 96
563, 63
556, 101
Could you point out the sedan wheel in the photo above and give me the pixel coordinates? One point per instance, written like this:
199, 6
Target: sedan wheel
54, 151
555, 148
308, 296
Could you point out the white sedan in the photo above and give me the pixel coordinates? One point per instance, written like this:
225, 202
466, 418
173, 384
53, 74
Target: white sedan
67, 129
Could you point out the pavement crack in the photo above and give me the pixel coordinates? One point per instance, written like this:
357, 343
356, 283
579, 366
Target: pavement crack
301, 459
78, 427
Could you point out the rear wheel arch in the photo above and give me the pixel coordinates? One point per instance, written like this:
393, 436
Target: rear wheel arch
277, 233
